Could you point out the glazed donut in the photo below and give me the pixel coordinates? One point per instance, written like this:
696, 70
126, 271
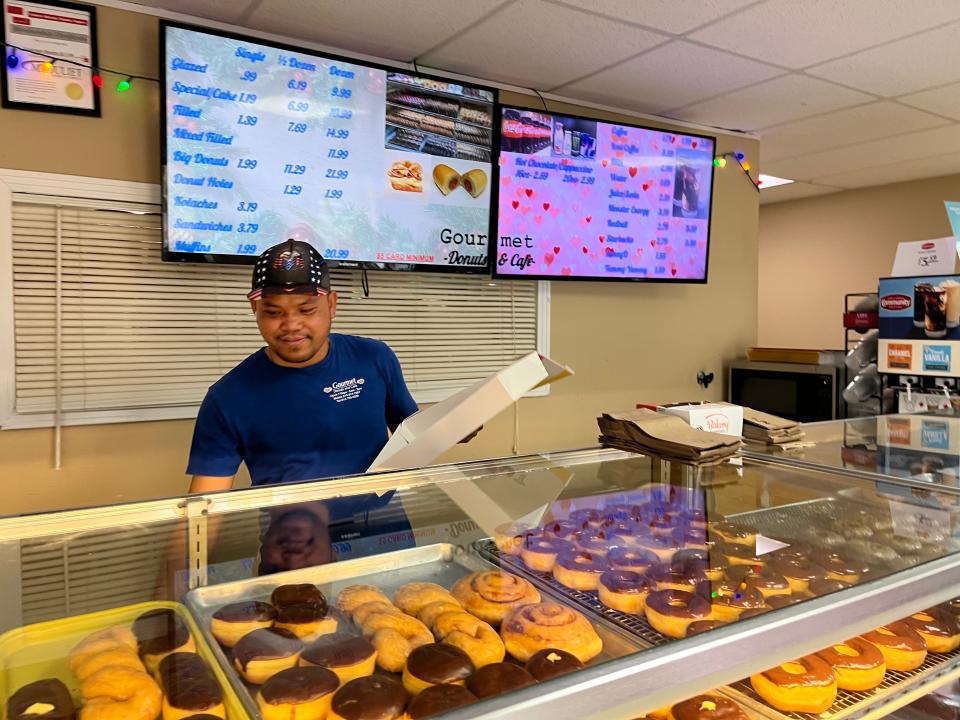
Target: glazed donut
354, 596
579, 570
629, 558
939, 629
858, 664
120, 693
413, 597
839, 568
825, 587
798, 572
670, 577
429, 613
807, 685
735, 533
362, 612
902, 647
769, 582
233, 621
624, 590
822, 537
395, 636
111, 638
475, 637
115, 657
491, 594
707, 707
545, 625
595, 541
670, 612
853, 529
869, 551
510, 536
562, 529
539, 552
903, 545
728, 601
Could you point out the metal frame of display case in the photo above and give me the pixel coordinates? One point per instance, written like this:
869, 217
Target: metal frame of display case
623, 687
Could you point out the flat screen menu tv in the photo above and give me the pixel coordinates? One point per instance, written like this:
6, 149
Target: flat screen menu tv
590, 200
374, 167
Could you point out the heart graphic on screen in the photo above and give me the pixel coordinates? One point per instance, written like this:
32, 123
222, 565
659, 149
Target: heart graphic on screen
525, 209
633, 171
673, 139
565, 161
588, 218
529, 192
556, 249
584, 250
503, 160
538, 219
618, 153
602, 238
516, 204
653, 243
546, 206
506, 179
566, 271
604, 162
673, 271
548, 258
555, 211
646, 186
609, 251
639, 252
694, 144
700, 245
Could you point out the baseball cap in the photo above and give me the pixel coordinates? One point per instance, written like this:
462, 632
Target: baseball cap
293, 267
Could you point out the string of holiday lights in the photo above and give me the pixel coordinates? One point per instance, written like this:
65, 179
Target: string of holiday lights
721, 162
46, 63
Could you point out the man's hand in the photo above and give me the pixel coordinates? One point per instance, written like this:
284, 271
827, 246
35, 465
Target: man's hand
472, 435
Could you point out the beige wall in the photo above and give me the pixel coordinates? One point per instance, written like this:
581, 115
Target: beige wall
814, 251
626, 342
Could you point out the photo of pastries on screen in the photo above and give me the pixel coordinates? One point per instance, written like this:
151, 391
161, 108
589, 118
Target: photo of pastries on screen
438, 118
584, 199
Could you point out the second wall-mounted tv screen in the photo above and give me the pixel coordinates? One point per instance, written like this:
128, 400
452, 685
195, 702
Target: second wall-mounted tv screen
372, 166
591, 200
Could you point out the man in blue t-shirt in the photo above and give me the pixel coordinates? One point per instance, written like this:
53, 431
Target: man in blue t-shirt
312, 403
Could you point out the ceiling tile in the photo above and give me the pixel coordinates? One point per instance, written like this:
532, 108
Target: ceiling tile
943, 100
537, 44
877, 153
794, 191
905, 66
776, 101
799, 33
386, 29
671, 75
897, 172
673, 16
228, 11
843, 127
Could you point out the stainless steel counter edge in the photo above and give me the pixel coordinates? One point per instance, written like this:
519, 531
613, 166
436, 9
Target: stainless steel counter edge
657, 677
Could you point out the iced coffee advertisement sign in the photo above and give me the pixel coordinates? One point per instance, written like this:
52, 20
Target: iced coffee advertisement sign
51, 47
920, 325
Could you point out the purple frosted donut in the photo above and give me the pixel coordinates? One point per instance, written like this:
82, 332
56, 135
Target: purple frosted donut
628, 558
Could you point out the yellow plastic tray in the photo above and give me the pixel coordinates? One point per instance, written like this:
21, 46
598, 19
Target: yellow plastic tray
39, 651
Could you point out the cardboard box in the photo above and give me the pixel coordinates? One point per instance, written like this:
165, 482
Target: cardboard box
723, 418
425, 436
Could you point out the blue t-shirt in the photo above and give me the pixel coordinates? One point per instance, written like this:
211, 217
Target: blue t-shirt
292, 424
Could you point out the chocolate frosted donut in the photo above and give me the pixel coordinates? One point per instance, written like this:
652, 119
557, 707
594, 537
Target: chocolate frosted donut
159, 632
299, 685
563, 529
766, 580
839, 567
438, 664
594, 541
50, 692
782, 601
702, 626
550, 663
300, 613
247, 611
439, 699
338, 651
731, 532
707, 707
297, 594
539, 552
266, 644
626, 581
578, 569
188, 684
685, 577
753, 612
799, 572
729, 599
741, 554
621, 532
690, 537
370, 698
636, 559
498, 678
670, 612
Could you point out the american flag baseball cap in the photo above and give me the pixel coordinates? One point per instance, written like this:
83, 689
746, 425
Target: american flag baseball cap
293, 267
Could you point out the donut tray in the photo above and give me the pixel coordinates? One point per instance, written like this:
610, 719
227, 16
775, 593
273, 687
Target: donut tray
38, 651
441, 563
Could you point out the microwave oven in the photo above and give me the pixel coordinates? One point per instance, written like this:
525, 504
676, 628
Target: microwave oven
805, 393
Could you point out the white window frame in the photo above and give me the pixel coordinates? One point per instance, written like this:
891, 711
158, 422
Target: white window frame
72, 188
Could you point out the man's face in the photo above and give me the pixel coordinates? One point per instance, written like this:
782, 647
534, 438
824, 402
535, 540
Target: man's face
295, 540
295, 327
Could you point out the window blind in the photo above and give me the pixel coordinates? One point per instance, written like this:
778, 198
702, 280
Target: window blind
135, 332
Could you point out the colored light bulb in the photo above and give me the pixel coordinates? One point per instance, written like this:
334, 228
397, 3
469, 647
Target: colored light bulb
740, 156
720, 162
97, 81
12, 60
746, 165
123, 86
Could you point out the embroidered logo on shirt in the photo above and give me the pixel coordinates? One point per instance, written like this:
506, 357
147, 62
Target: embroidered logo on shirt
345, 389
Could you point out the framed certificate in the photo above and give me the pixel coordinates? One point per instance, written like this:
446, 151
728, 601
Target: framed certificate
45, 30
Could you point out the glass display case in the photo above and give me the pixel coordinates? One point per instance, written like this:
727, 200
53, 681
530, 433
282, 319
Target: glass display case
663, 581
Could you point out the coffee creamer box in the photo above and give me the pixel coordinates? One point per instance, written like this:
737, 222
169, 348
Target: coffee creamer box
723, 418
